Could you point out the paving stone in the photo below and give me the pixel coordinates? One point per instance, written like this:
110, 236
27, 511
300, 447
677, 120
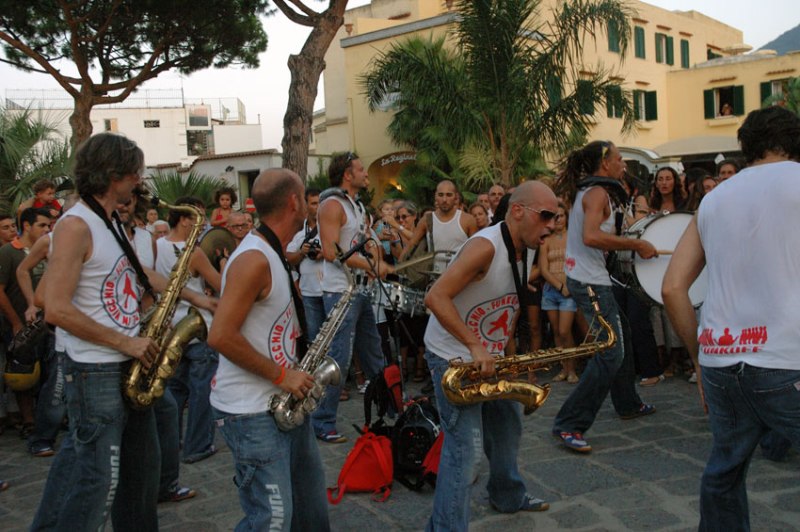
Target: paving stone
646, 463
574, 476
574, 516
646, 518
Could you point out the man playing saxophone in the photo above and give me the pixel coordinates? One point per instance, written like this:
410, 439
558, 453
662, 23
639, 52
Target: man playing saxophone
279, 474
473, 305
110, 460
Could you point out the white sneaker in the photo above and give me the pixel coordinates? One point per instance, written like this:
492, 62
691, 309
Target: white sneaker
362, 388
693, 378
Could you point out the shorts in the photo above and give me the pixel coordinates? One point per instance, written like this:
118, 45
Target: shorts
553, 300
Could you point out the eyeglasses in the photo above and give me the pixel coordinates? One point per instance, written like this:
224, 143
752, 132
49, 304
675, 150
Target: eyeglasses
545, 215
402, 216
238, 226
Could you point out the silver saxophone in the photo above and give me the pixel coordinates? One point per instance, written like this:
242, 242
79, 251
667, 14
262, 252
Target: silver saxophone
290, 412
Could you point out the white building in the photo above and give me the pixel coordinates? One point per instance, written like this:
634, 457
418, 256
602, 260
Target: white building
170, 129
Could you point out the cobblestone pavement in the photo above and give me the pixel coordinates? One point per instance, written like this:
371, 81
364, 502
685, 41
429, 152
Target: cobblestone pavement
642, 475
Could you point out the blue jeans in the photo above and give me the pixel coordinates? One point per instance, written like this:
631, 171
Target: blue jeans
51, 406
744, 402
109, 462
166, 413
192, 382
498, 425
315, 315
358, 334
610, 370
276, 473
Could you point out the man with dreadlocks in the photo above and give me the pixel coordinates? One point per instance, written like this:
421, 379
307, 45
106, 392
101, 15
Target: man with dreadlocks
592, 183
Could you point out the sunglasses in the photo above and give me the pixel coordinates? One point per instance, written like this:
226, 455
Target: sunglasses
545, 215
402, 216
238, 226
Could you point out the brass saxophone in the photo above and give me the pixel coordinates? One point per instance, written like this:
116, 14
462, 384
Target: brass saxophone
141, 387
463, 385
290, 412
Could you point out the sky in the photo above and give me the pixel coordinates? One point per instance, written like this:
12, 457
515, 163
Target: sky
264, 91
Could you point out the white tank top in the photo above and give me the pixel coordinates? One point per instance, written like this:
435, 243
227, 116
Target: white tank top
581, 262
447, 236
333, 277
167, 255
751, 249
487, 306
107, 291
142, 243
271, 328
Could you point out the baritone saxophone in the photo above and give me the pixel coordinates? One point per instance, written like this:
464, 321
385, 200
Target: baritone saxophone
463, 385
142, 386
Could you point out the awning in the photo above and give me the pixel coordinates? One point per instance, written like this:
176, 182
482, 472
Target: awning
697, 145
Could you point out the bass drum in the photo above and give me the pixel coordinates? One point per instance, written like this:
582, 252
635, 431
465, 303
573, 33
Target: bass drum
644, 276
217, 243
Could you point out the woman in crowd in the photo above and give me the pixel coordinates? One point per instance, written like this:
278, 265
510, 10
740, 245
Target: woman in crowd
481, 215
668, 194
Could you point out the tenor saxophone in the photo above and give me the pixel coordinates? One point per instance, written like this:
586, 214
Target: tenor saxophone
463, 385
290, 412
142, 386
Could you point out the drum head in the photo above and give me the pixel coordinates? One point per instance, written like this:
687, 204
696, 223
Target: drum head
664, 231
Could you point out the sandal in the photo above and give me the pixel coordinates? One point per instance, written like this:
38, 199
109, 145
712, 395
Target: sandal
560, 377
573, 379
651, 381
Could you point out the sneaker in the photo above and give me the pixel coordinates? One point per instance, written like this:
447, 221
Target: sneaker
362, 388
693, 378
573, 441
532, 504
41, 451
180, 493
644, 410
332, 437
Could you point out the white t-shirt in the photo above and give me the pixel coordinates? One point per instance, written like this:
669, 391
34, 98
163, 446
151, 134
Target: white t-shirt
310, 270
486, 306
271, 327
752, 247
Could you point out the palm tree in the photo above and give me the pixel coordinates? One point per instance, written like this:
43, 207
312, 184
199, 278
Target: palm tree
789, 98
30, 150
514, 88
169, 186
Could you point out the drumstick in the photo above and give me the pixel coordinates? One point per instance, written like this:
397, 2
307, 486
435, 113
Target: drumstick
664, 252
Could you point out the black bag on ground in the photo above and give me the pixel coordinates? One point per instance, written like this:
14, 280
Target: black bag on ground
413, 436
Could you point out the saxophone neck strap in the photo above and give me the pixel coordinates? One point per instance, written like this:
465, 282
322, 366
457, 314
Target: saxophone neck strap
275, 243
122, 239
519, 281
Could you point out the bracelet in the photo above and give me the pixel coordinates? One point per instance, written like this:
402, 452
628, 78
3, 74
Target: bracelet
280, 378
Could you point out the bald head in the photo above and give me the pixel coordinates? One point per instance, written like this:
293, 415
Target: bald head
273, 188
534, 194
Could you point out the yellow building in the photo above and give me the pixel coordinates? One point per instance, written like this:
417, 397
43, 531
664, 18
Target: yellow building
682, 66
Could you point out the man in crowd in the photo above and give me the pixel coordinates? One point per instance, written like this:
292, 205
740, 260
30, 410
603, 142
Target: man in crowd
593, 232
496, 193
745, 348
279, 474
93, 293
8, 229
447, 227
343, 223
192, 379
239, 225
303, 252
473, 304
35, 224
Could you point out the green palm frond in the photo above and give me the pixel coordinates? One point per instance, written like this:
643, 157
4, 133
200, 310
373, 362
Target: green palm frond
169, 186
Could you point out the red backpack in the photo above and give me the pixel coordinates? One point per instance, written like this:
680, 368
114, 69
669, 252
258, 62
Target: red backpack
367, 468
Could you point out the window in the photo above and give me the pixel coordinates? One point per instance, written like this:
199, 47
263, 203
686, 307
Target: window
110, 124
684, 53
152, 123
554, 90
613, 36
645, 104
198, 116
776, 88
664, 52
585, 96
711, 54
199, 142
724, 101
614, 101
638, 41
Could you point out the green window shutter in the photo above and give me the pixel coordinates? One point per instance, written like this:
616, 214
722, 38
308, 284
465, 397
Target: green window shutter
585, 97
684, 53
766, 91
708, 104
613, 36
738, 100
614, 101
638, 37
659, 48
636, 98
553, 87
650, 106
670, 51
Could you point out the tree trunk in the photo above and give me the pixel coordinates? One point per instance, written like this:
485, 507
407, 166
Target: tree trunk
306, 69
80, 120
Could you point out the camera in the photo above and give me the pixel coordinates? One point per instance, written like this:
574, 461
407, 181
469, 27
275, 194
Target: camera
314, 249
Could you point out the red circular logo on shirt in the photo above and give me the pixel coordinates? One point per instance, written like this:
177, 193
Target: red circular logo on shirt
282, 338
120, 294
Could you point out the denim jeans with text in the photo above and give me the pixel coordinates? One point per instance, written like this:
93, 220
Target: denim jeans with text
51, 406
610, 370
358, 334
108, 463
744, 403
496, 426
279, 474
